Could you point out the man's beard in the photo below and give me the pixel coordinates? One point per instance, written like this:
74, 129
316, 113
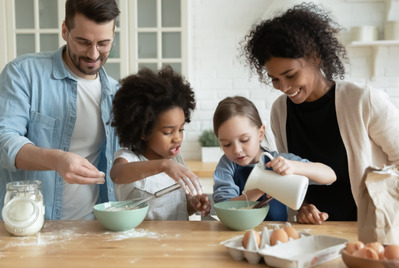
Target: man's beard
75, 59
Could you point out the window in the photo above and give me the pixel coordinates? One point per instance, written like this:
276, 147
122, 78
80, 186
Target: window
161, 37
149, 33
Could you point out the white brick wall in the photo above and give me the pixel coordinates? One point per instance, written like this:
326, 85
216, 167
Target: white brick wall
216, 71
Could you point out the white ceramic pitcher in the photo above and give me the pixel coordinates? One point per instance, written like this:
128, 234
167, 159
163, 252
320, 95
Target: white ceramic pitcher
288, 189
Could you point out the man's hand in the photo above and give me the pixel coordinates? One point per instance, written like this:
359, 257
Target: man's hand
78, 170
73, 168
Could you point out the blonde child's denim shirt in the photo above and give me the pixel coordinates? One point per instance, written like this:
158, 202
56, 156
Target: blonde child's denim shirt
38, 106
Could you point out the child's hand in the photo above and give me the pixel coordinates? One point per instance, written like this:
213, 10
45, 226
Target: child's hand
188, 181
201, 203
308, 213
281, 165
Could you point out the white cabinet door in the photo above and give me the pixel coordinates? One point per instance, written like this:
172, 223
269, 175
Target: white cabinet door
30, 26
149, 33
161, 34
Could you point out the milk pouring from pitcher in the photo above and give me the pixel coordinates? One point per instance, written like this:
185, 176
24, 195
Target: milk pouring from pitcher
288, 189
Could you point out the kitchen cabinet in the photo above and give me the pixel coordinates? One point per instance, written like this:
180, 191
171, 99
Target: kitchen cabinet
149, 33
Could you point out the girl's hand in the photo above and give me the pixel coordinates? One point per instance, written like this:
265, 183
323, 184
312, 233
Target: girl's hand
308, 213
201, 203
281, 165
188, 181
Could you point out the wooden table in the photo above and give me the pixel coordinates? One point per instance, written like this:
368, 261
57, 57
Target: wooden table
151, 244
202, 169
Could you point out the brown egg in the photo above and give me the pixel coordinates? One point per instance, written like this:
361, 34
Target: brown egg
391, 252
291, 232
353, 246
367, 253
278, 235
245, 239
378, 248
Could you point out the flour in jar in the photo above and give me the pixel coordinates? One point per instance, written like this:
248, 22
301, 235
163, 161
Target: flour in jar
23, 211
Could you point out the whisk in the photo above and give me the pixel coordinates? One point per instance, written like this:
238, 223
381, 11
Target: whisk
134, 203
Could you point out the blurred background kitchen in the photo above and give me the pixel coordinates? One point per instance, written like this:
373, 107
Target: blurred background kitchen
200, 39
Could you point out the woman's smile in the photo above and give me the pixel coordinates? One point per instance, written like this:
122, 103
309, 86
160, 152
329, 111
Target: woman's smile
294, 94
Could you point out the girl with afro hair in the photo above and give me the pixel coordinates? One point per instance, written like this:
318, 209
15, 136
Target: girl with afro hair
320, 117
149, 113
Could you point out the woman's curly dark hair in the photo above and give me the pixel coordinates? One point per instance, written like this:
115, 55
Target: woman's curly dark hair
304, 31
142, 98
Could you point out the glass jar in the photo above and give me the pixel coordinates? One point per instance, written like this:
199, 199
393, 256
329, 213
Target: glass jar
23, 211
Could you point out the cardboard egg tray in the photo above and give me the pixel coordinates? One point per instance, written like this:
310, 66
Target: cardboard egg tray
306, 251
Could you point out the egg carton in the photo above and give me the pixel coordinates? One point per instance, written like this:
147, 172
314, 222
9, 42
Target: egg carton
306, 251
252, 252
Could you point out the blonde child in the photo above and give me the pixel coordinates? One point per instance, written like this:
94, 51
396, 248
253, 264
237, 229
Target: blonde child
237, 124
150, 111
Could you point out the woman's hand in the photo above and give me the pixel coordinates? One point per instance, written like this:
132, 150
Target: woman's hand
201, 203
308, 213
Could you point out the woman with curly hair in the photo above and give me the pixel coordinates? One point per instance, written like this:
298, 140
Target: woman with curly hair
150, 111
341, 124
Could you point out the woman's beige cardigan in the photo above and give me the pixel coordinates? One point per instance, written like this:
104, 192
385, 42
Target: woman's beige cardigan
368, 123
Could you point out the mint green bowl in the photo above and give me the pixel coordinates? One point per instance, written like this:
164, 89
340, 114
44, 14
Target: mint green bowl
234, 214
122, 220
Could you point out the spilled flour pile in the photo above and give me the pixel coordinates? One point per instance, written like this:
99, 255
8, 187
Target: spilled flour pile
113, 236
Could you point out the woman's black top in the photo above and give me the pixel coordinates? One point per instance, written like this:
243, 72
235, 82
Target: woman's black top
313, 133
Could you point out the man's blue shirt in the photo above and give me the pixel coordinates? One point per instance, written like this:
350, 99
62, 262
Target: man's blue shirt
38, 106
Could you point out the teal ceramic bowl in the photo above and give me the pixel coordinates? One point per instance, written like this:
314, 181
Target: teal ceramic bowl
122, 220
237, 216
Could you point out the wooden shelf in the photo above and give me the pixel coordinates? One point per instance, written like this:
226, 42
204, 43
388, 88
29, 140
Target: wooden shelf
202, 169
379, 48
375, 43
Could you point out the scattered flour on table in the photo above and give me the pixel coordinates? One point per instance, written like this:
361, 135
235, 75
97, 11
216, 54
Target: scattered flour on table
61, 235
114, 236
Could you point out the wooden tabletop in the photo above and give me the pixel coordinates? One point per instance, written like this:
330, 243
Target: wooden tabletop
202, 169
152, 244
